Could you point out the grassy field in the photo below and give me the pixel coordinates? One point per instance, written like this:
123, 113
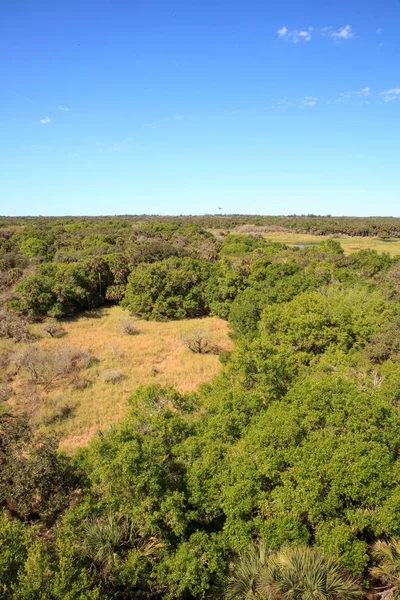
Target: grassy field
155, 355
349, 244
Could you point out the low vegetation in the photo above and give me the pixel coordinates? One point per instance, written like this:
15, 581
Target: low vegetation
193, 410
94, 353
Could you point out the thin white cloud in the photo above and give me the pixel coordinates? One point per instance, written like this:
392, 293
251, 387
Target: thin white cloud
364, 92
296, 35
379, 30
281, 103
65, 108
393, 91
117, 148
361, 94
391, 95
178, 118
310, 100
299, 35
343, 33
45, 120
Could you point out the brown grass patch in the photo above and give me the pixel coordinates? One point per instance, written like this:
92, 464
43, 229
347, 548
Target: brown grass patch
155, 355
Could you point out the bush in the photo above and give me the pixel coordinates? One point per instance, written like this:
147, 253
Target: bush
4, 358
54, 330
386, 344
170, 289
14, 328
5, 392
199, 341
116, 351
46, 366
58, 290
81, 383
35, 483
113, 376
128, 326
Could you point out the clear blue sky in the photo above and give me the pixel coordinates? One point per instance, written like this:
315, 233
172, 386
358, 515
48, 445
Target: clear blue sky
253, 106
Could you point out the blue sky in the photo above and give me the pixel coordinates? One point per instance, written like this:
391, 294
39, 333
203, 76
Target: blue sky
182, 107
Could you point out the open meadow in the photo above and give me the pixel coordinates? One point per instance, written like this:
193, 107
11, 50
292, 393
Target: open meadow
349, 244
75, 409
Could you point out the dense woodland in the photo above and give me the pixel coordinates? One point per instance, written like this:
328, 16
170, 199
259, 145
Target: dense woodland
319, 225
278, 480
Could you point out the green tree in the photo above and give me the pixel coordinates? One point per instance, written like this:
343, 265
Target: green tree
35, 483
60, 289
170, 289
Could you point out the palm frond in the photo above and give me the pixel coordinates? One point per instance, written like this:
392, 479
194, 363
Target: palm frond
245, 571
303, 573
387, 570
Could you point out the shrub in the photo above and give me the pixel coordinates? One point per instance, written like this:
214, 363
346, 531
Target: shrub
199, 341
4, 357
386, 344
296, 572
34, 481
45, 366
128, 326
81, 383
12, 327
61, 289
387, 556
113, 376
116, 351
5, 392
170, 289
54, 330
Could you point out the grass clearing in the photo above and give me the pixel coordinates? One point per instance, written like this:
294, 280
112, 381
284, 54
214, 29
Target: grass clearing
349, 244
155, 355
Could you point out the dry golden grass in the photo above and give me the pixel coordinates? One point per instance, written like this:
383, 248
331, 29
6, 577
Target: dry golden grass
349, 244
155, 355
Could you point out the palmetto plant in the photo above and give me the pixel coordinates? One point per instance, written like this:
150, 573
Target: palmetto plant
304, 573
106, 540
243, 580
387, 556
292, 573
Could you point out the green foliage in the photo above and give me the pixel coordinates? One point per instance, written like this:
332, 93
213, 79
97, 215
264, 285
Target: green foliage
313, 322
34, 582
296, 442
34, 482
14, 543
57, 290
170, 289
245, 573
300, 573
297, 573
235, 244
36, 247
222, 289
331, 247
192, 568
